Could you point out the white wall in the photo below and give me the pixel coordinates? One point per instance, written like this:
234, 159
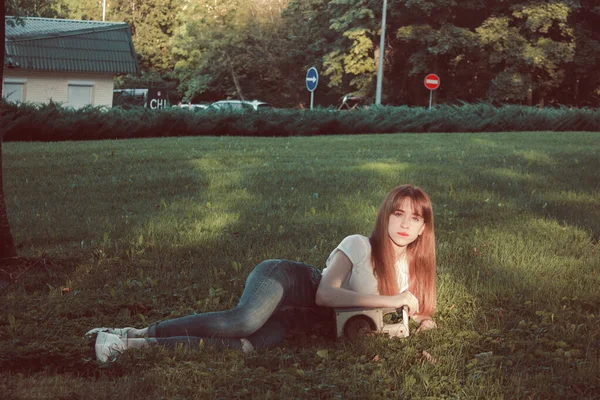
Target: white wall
40, 87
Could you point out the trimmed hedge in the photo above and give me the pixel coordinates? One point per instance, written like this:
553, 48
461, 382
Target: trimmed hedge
51, 122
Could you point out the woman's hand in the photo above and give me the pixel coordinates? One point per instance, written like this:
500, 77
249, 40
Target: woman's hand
426, 325
406, 298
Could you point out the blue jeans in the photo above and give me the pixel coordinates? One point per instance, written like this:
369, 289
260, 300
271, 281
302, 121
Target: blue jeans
279, 295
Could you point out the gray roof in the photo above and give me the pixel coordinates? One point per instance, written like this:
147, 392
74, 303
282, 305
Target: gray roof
45, 44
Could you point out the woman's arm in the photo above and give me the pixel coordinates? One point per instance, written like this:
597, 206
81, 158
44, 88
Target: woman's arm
331, 294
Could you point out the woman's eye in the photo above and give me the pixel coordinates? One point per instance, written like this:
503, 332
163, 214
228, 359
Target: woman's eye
416, 219
398, 214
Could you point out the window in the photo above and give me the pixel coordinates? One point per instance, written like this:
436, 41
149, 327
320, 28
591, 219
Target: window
261, 106
13, 92
79, 95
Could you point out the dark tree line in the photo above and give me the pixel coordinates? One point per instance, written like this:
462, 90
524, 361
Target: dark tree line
540, 52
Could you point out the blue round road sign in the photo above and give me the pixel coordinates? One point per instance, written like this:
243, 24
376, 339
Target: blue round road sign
312, 79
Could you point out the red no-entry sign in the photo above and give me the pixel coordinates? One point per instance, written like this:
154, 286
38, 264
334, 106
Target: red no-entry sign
432, 81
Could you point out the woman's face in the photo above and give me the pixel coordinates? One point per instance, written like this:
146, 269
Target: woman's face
405, 226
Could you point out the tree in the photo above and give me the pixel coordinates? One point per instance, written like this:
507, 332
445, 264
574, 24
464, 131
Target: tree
84, 9
529, 49
351, 63
429, 41
307, 40
152, 24
16, 8
233, 48
493, 50
581, 84
7, 244
209, 47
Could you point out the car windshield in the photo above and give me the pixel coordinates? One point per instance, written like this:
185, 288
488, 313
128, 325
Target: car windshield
228, 106
240, 105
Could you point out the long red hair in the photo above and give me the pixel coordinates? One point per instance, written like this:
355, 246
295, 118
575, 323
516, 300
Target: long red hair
420, 253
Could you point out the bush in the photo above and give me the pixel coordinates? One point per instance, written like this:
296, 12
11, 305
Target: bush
52, 122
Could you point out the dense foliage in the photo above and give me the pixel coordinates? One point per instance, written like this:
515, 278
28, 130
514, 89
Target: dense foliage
52, 122
521, 52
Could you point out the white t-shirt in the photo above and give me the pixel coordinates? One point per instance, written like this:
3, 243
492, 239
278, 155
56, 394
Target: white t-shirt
361, 278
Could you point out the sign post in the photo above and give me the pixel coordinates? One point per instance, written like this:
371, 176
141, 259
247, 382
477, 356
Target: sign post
381, 51
432, 82
312, 80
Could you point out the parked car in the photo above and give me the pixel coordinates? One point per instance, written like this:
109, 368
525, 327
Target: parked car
240, 105
193, 107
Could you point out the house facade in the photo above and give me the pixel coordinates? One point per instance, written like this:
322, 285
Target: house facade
67, 61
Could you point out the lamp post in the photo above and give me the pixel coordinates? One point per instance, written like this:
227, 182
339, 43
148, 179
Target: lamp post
381, 51
103, 10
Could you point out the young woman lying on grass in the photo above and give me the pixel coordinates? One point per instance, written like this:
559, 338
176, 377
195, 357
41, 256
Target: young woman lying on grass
394, 267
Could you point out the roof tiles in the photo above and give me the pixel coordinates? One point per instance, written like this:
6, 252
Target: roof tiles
69, 45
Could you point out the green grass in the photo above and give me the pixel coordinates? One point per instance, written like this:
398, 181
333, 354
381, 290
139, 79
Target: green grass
142, 230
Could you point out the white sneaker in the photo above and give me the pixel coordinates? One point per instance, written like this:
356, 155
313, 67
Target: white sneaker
246, 346
108, 347
122, 332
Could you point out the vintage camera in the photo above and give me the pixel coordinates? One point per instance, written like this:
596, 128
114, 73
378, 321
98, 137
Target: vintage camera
355, 322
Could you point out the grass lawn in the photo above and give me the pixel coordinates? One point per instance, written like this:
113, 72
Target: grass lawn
130, 232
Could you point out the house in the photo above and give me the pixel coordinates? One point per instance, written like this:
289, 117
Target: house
68, 61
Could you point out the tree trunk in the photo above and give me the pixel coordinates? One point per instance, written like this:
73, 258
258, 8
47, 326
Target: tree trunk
7, 244
236, 82
238, 88
2, 38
